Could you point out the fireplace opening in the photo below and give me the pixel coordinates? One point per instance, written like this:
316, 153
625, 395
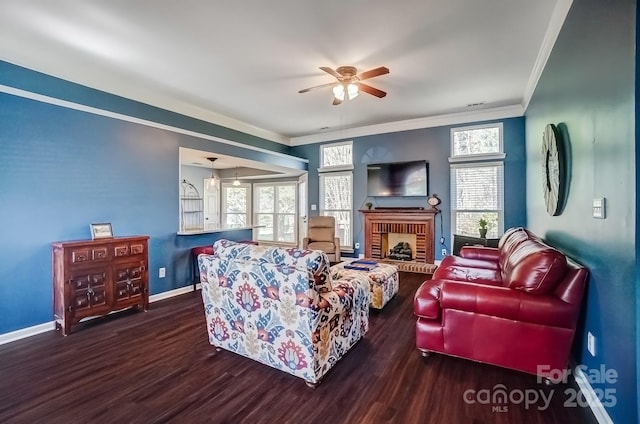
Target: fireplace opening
401, 252
399, 246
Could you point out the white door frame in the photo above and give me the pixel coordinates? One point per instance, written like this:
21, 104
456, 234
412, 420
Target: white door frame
303, 207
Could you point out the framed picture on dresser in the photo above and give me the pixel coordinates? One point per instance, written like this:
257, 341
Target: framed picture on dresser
101, 230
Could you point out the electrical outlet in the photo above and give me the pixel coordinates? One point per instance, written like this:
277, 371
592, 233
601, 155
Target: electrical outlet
357, 245
591, 343
162, 272
444, 252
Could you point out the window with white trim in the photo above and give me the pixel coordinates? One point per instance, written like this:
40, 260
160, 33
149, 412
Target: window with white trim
275, 212
336, 199
336, 188
236, 205
477, 180
336, 156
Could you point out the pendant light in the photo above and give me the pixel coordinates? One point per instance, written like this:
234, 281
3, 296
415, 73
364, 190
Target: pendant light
236, 182
211, 182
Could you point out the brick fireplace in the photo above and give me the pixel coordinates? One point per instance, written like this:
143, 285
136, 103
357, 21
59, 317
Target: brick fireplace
383, 227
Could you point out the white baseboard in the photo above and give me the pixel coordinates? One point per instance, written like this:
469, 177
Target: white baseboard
171, 293
599, 411
51, 325
27, 332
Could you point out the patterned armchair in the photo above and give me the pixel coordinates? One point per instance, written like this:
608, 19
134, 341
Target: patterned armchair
280, 307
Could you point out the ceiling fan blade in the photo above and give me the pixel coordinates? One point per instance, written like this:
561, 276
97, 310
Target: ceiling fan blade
373, 91
336, 101
317, 86
331, 71
373, 73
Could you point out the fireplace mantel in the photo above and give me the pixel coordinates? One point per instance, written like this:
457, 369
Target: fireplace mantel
420, 222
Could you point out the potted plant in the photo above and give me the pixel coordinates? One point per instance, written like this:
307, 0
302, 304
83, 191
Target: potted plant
482, 227
368, 205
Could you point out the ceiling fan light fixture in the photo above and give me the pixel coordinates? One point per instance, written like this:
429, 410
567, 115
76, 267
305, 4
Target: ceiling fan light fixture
349, 83
352, 91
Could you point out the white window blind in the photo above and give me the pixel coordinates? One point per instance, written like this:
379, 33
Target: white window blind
477, 191
336, 199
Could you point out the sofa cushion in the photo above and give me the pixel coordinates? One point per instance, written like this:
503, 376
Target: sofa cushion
509, 242
534, 267
325, 246
321, 233
453, 260
468, 274
316, 263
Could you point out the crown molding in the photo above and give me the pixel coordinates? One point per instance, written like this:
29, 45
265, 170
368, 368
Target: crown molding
102, 112
413, 124
558, 16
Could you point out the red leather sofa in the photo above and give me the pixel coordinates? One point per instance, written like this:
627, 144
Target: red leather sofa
514, 306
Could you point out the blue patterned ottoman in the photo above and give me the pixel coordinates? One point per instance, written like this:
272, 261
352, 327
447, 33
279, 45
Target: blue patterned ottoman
383, 278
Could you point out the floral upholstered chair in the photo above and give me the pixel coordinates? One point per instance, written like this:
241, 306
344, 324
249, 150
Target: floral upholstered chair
281, 307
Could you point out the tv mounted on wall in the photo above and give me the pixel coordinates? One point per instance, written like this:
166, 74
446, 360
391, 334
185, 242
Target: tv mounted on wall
398, 179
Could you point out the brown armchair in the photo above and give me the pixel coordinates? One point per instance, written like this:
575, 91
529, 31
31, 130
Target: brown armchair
322, 236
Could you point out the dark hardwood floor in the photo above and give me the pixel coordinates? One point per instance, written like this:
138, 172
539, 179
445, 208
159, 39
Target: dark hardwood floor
158, 366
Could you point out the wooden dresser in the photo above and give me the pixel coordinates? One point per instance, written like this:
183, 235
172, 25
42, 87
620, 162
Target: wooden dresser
96, 277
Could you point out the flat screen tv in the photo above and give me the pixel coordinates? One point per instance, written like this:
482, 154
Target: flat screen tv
398, 179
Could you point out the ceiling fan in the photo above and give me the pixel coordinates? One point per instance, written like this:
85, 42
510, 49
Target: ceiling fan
350, 82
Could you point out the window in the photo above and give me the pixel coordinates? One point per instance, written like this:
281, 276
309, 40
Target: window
477, 185
336, 199
336, 188
472, 143
236, 205
336, 156
275, 212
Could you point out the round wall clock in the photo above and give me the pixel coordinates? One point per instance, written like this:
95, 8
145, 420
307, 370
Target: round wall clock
553, 172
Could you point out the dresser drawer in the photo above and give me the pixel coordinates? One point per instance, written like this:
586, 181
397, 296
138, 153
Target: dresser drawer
89, 254
128, 249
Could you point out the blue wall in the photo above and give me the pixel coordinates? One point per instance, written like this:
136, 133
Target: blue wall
588, 85
62, 169
432, 145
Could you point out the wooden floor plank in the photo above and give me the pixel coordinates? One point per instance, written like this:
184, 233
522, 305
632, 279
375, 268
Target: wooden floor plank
158, 367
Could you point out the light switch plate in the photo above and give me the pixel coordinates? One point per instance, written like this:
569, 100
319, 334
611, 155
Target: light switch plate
598, 207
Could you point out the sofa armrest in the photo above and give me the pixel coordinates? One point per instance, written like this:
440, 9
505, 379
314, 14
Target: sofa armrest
480, 252
348, 293
305, 242
508, 303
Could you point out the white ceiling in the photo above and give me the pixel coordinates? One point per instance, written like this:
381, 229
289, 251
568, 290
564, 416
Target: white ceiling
241, 63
